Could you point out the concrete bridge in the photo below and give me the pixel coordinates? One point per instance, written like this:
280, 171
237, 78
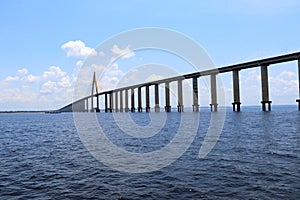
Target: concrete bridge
114, 98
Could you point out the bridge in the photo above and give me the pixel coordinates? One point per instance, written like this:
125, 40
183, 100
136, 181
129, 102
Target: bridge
114, 98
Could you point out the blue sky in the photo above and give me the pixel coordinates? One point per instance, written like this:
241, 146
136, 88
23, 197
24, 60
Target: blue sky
38, 73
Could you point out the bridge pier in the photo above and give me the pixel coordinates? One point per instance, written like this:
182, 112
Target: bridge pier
126, 101
97, 103
97, 99
105, 103
147, 99
87, 105
298, 100
116, 101
140, 108
195, 95
167, 96
110, 109
265, 88
92, 103
180, 97
213, 93
156, 94
132, 100
121, 100
236, 105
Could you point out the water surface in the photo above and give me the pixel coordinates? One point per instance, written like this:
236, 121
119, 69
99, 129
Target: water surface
256, 157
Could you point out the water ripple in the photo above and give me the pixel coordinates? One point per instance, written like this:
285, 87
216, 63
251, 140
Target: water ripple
256, 157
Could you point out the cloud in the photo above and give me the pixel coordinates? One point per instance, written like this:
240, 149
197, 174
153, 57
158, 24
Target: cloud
78, 49
253, 75
30, 78
115, 70
124, 53
284, 84
107, 78
65, 82
23, 71
48, 87
79, 63
15, 96
48, 90
287, 74
12, 78
283, 87
54, 87
54, 71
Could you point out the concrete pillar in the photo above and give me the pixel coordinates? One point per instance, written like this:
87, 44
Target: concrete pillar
265, 88
195, 95
213, 93
92, 103
180, 97
140, 108
116, 101
147, 99
121, 100
236, 105
97, 108
111, 103
167, 96
87, 104
132, 100
156, 96
298, 100
126, 101
106, 103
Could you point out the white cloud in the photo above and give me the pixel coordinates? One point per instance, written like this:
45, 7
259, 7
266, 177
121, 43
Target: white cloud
78, 49
54, 71
65, 82
101, 53
54, 88
23, 71
17, 95
253, 75
30, 78
112, 80
12, 78
107, 78
283, 87
48, 87
114, 70
79, 63
97, 68
284, 84
47, 90
287, 73
124, 53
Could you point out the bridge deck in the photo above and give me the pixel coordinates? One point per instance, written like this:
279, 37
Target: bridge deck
241, 66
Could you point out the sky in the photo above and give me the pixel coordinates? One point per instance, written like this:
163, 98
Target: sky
45, 43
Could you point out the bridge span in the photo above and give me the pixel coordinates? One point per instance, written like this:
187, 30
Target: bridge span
114, 98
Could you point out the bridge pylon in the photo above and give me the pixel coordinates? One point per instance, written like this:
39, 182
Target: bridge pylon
94, 85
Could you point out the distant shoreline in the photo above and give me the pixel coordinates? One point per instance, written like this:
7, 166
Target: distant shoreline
16, 112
